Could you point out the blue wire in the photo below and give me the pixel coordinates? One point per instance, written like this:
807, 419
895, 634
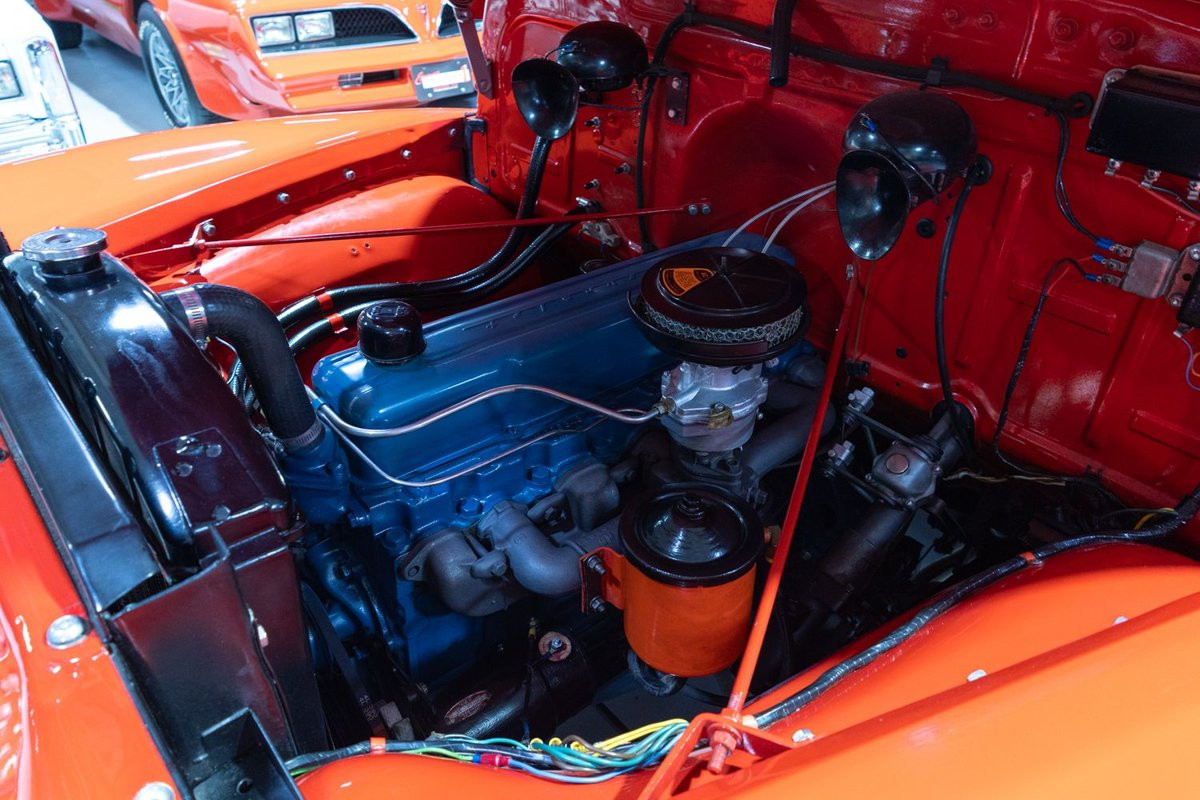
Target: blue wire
560, 778
1187, 367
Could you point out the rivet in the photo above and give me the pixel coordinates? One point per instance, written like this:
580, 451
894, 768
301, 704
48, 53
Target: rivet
1121, 38
66, 631
1065, 29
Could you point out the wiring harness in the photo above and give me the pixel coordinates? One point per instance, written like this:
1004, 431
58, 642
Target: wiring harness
571, 760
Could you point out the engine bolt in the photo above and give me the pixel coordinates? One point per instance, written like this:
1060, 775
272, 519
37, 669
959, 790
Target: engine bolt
349, 174
598, 605
155, 791
406, 154
1175, 300
208, 228
595, 564
66, 631
284, 198
1194, 254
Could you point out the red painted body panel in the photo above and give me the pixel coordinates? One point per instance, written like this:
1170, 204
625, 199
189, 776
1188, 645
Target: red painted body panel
1071, 704
154, 189
1104, 386
68, 727
1086, 694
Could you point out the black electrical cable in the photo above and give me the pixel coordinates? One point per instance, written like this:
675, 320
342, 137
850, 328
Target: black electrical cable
1023, 355
352, 295
939, 310
1077, 105
327, 326
639, 178
1178, 198
1015, 377
1060, 187
831, 677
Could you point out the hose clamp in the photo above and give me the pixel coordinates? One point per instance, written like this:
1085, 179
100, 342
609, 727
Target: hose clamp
304, 440
194, 313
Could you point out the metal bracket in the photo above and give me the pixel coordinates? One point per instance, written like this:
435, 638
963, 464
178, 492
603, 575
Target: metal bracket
481, 68
678, 83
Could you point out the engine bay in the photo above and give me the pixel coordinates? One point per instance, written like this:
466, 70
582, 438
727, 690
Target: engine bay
686, 440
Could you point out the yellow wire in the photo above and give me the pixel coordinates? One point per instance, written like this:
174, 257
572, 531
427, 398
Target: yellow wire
634, 735
1151, 516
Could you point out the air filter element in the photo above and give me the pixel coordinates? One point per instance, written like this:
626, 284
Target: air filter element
722, 306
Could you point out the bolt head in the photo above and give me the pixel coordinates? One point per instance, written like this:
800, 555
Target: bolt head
1194, 254
283, 198
1175, 300
66, 631
406, 154
155, 791
349, 174
208, 228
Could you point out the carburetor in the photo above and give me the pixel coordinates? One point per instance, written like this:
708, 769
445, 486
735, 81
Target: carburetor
723, 311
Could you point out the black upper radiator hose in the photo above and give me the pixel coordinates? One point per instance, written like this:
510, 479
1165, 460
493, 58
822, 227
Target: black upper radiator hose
245, 323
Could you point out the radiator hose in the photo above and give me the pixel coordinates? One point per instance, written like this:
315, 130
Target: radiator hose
247, 325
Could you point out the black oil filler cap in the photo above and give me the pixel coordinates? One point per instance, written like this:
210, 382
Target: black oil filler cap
389, 332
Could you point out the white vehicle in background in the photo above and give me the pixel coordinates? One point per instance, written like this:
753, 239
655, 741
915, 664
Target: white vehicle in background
37, 112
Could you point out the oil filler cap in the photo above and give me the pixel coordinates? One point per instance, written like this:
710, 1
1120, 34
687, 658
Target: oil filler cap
389, 332
723, 306
66, 251
691, 534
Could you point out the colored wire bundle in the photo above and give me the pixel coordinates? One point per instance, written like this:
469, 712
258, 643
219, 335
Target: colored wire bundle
570, 760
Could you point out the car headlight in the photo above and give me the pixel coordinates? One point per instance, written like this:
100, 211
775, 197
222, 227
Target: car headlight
51, 78
10, 87
314, 27
274, 31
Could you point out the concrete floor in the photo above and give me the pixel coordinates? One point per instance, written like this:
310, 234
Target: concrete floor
113, 92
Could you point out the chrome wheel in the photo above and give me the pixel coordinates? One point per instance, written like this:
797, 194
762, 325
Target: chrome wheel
168, 76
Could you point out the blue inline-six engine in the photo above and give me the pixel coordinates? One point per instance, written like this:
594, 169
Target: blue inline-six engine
422, 536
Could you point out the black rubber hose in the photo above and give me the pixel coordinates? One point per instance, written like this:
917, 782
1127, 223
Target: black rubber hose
939, 316
322, 328
246, 324
781, 41
1186, 511
353, 295
639, 161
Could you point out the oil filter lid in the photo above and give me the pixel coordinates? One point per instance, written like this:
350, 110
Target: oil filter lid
723, 306
691, 534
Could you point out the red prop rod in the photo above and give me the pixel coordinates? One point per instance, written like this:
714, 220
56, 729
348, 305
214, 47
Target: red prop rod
722, 745
199, 245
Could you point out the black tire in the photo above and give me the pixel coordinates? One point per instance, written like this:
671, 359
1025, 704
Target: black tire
67, 35
168, 77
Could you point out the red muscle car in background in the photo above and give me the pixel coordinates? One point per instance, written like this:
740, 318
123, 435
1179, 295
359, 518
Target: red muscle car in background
230, 60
